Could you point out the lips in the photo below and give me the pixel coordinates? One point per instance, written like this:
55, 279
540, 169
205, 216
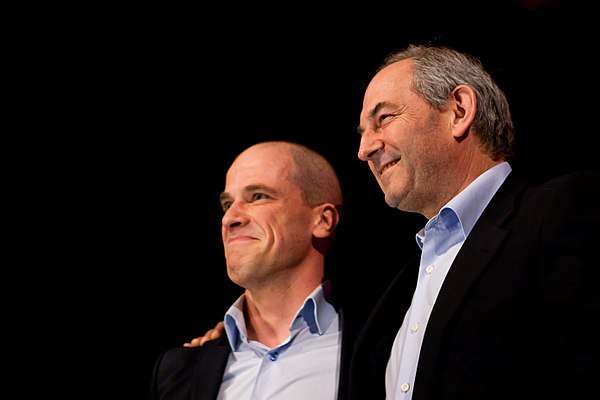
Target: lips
240, 239
387, 166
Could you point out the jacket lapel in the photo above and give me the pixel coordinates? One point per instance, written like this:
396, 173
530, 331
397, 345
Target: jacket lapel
209, 369
473, 258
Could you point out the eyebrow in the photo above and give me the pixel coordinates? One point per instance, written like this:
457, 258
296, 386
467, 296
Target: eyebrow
378, 107
224, 196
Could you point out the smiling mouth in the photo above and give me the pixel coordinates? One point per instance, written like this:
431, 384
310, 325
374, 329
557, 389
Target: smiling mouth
387, 166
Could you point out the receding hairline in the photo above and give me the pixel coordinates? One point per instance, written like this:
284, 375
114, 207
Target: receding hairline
313, 173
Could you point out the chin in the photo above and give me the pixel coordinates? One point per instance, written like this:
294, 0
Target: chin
392, 200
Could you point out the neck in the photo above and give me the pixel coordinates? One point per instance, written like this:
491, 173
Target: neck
455, 182
269, 312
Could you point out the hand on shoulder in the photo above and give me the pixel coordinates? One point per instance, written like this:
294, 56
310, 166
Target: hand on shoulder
211, 334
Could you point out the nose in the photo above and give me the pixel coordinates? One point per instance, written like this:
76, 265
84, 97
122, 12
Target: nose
234, 216
369, 145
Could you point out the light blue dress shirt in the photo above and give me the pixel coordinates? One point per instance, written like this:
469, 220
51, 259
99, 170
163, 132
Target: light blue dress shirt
440, 240
305, 366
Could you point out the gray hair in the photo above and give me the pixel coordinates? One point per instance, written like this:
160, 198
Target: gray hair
439, 70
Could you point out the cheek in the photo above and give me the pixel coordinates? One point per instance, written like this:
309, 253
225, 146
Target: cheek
296, 228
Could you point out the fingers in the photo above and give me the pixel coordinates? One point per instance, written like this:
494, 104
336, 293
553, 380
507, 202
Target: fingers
196, 342
210, 334
219, 329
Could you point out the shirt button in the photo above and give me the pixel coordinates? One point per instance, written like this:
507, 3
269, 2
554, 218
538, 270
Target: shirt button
405, 387
273, 356
429, 269
415, 327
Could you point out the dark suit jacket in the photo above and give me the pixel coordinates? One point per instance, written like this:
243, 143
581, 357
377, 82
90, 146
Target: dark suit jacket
196, 372
518, 314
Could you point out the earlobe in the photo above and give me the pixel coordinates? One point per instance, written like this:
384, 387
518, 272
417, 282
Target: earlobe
464, 104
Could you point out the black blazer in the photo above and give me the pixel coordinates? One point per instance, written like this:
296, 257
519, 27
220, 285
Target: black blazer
518, 315
196, 372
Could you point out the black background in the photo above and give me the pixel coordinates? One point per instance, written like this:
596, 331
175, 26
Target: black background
167, 96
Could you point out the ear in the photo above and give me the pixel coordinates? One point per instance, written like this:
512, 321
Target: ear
463, 104
328, 217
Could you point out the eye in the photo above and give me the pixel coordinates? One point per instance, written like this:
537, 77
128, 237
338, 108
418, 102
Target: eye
383, 117
260, 196
226, 205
